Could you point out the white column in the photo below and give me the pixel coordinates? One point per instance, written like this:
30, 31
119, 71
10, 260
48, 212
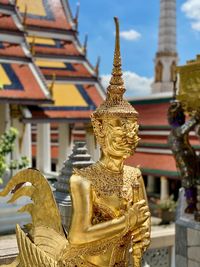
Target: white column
16, 151
150, 184
63, 144
71, 139
43, 160
26, 147
5, 122
164, 186
92, 146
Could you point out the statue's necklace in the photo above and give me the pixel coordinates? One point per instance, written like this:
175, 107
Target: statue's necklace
106, 182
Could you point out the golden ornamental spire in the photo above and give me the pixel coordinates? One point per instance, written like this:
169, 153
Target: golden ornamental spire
116, 81
115, 105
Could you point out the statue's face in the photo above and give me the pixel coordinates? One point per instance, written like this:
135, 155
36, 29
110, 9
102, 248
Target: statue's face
120, 137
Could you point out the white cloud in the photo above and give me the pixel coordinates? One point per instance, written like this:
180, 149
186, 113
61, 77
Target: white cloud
192, 10
135, 85
130, 35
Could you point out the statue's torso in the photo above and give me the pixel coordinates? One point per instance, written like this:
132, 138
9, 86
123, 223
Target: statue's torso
111, 196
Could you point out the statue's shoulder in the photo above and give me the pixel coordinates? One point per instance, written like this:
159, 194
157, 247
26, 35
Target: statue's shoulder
133, 172
82, 175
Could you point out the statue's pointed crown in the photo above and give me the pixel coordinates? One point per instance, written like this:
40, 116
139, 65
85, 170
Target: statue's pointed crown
114, 104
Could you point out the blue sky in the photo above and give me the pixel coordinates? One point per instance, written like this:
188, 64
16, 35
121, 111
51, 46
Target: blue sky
142, 17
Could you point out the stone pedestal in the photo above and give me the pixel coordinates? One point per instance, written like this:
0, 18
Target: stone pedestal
187, 236
78, 159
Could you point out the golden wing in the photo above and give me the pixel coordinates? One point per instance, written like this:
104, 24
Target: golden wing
43, 209
29, 254
46, 240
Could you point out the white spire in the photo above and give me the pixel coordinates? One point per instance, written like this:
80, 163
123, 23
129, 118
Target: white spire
166, 57
167, 29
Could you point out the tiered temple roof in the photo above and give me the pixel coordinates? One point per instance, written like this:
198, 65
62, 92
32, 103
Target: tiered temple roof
73, 82
154, 154
20, 79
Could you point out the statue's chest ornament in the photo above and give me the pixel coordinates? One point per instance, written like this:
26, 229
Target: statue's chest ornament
112, 190
114, 185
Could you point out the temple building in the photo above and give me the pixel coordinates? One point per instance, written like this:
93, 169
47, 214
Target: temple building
154, 154
21, 83
68, 84
73, 82
48, 88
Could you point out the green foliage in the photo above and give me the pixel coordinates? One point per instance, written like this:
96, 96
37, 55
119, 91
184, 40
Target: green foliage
6, 147
168, 204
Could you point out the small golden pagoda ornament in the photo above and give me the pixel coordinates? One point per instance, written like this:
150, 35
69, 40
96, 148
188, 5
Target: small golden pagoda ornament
110, 218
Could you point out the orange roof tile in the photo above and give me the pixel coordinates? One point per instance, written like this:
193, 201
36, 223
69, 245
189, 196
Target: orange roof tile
7, 23
60, 114
54, 48
45, 14
4, 2
93, 93
20, 83
11, 50
71, 102
68, 70
152, 114
153, 161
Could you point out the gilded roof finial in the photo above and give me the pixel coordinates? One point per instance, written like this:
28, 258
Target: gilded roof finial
25, 16
85, 44
52, 84
32, 48
97, 66
77, 15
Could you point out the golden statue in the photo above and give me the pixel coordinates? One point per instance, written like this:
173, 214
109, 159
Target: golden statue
110, 218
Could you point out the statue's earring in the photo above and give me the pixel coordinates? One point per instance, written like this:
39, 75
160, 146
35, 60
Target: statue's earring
98, 130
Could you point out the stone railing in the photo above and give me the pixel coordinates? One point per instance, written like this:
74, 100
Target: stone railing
162, 249
160, 253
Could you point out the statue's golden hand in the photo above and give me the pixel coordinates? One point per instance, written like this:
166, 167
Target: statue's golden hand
138, 214
141, 237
